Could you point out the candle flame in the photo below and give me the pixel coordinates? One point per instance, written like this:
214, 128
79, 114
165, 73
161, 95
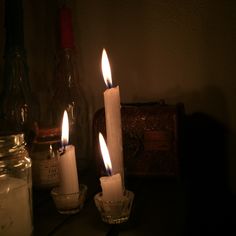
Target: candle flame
106, 70
105, 154
65, 129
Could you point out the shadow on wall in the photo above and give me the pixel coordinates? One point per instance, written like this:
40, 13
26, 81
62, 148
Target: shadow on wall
205, 174
232, 167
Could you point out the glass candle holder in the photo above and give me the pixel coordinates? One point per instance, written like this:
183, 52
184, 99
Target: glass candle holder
115, 212
69, 203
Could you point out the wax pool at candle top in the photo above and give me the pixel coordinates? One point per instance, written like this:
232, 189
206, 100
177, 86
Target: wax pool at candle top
15, 207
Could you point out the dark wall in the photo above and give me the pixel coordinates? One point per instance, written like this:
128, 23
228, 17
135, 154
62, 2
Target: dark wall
181, 51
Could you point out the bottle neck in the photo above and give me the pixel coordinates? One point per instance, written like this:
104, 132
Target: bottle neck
14, 25
66, 29
66, 67
16, 72
15, 68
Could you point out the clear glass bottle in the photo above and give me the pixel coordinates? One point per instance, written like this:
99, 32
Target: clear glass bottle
44, 158
68, 94
15, 187
19, 109
16, 104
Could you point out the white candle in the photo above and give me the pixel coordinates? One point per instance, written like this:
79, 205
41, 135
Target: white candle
112, 188
69, 182
113, 118
15, 207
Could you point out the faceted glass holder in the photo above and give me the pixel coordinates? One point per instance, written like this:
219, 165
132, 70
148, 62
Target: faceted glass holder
115, 212
69, 203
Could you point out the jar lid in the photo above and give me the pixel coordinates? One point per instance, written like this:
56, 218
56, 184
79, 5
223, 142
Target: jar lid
47, 134
11, 143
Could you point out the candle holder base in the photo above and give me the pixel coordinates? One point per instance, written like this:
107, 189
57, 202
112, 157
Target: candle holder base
69, 203
115, 212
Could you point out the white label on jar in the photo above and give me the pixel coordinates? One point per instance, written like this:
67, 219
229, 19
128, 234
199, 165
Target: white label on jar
45, 172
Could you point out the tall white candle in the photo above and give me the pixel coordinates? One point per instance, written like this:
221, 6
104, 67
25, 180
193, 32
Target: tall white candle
69, 182
113, 118
112, 188
15, 207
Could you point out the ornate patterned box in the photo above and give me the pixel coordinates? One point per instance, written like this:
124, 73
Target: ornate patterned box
150, 138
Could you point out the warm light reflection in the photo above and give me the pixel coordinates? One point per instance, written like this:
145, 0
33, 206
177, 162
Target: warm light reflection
105, 154
65, 129
106, 70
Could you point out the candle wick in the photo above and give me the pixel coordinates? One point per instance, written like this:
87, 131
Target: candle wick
62, 150
109, 172
109, 84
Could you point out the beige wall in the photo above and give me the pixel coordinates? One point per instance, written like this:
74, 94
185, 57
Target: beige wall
181, 51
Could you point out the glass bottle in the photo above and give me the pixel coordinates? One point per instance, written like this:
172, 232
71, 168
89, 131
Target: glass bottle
68, 93
44, 158
17, 101
15, 187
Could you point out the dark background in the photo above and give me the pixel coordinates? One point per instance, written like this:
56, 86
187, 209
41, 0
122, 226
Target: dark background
180, 51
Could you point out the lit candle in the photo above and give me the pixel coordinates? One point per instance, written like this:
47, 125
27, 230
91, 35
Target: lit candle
112, 188
113, 118
67, 162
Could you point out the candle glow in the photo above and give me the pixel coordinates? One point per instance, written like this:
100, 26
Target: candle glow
65, 129
106, 70
105, 154
67, 161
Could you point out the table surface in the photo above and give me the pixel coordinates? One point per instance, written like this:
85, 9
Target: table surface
161, 207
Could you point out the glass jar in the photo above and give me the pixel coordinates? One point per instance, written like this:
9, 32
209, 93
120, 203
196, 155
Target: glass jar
15, 187
44, 158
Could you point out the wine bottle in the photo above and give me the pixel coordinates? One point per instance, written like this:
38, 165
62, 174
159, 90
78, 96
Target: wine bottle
68, 94
18, 106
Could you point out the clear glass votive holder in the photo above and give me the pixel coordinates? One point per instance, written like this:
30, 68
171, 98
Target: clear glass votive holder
69, 203
115, 212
